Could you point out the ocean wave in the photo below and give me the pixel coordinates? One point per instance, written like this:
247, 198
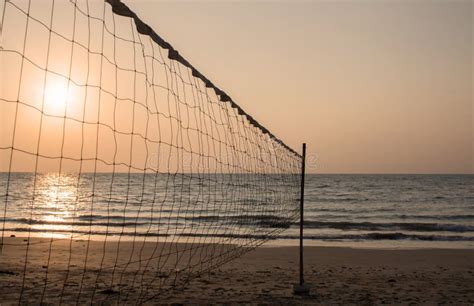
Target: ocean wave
262, 236
387, 236
86, 232
271, 221
370, 226
435, 217
268, 221
336, 198
338, 214
322, 186
131, 222
345, 237
250, 221
351, 211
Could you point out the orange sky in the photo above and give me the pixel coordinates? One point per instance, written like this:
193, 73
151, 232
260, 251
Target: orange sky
371, 86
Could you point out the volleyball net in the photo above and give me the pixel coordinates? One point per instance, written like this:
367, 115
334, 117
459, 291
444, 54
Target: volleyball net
124, 170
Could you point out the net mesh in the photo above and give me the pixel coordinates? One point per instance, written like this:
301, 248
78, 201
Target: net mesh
124, 171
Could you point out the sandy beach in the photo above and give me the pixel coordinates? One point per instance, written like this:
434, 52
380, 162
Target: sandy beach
262, 276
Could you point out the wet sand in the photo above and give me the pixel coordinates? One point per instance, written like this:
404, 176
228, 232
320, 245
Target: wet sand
262, 276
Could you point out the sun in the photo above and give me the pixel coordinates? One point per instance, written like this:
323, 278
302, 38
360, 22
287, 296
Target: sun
56, 96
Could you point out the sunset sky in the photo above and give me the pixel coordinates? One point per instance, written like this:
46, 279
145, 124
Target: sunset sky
371, 86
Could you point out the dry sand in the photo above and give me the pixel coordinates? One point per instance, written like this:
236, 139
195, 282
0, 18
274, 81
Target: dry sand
263, 276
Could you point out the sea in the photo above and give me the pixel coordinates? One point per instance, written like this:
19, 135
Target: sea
361, 211
388, 211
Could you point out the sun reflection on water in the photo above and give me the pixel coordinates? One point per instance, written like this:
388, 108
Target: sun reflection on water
54, 200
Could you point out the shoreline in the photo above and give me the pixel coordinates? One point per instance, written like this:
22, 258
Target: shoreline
398, 244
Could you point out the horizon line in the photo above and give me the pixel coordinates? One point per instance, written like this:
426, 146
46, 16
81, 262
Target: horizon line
307, 173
